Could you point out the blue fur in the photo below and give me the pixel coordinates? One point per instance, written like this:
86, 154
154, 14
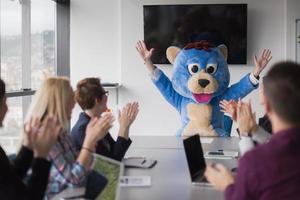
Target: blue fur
178, 94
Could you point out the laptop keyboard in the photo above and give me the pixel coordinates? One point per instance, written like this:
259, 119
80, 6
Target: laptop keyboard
201, 179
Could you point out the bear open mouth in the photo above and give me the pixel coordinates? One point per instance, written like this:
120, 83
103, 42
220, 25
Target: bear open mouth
203, 98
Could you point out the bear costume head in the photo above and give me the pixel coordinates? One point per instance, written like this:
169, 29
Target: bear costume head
200, 71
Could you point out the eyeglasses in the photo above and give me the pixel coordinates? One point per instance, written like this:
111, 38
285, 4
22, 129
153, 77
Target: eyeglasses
105, 93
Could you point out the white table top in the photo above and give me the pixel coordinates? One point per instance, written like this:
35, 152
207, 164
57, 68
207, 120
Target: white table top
170, 177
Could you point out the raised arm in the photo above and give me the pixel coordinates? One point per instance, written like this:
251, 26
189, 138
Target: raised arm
160, 80
250, 81
261, 62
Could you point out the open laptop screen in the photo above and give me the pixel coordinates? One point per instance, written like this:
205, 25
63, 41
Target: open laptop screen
112, 170
194, 155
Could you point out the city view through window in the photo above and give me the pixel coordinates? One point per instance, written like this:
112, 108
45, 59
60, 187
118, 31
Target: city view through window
42, 58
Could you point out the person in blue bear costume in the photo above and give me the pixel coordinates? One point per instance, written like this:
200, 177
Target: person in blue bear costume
200, 81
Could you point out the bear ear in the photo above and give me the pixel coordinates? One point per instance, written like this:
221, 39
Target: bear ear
172, 53
223, 49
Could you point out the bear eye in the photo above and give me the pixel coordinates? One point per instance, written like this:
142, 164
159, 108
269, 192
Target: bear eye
193, 68
211, 68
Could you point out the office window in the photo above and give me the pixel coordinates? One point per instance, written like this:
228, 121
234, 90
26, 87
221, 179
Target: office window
14, 116
42, 41
28, 54
11, 44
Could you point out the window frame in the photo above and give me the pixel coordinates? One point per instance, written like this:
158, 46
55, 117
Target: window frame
62, 48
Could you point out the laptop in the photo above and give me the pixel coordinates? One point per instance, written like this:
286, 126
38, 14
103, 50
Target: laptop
195, 159
106, 189
112, 170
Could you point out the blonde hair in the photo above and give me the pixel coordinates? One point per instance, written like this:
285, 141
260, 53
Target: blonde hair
51, 99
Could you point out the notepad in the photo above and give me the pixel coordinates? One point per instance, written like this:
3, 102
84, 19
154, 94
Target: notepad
135, 181
205, 140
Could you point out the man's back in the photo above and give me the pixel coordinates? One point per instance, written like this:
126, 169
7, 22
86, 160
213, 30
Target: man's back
270, 171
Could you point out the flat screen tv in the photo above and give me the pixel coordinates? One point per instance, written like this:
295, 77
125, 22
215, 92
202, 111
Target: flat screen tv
178, 25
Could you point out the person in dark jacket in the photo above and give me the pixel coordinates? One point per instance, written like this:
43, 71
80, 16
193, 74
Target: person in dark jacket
38, 139
92, 98
265, 123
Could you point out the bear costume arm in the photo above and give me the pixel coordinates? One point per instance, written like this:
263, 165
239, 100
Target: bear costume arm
164, 85
240, 89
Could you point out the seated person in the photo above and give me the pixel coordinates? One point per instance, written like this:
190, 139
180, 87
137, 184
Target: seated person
38, 139
251, 133
271, 170
265, 123
92, 98
69, 167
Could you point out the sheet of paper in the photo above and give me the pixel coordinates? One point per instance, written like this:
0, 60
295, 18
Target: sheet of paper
218, 157
206, 140
135, 181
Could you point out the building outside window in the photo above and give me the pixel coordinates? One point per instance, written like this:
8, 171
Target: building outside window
27, 29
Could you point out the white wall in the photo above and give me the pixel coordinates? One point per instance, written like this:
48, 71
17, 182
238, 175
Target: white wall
95, 42
293, 7
95, 39
103, 37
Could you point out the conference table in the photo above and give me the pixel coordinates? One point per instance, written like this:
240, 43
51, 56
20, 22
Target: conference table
170, 178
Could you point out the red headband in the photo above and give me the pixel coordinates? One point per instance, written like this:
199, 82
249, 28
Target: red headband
202, 45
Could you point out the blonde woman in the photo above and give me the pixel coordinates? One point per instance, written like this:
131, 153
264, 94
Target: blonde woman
69, 168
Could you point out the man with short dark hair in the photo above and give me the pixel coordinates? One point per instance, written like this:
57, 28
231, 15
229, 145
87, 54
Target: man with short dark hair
271, 170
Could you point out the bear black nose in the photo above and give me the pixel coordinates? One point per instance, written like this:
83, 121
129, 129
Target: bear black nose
203, 82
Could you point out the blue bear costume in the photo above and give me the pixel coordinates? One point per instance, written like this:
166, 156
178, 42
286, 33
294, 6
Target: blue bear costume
200, 81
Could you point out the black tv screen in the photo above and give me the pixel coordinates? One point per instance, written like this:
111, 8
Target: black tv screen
178, 25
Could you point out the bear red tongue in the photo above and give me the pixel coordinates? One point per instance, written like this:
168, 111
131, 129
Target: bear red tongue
202, 98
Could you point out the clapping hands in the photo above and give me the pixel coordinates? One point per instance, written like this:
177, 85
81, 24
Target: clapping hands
97, 129
127, 117
241, 112
40, 136
229, 107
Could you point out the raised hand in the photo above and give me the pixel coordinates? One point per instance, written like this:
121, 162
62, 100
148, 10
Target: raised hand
127, 117
128, 114
40, 136
261, 62
145, 54
246, 119
97, 129
143, 51
229, 107
46, 136
219, 176
30, 128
